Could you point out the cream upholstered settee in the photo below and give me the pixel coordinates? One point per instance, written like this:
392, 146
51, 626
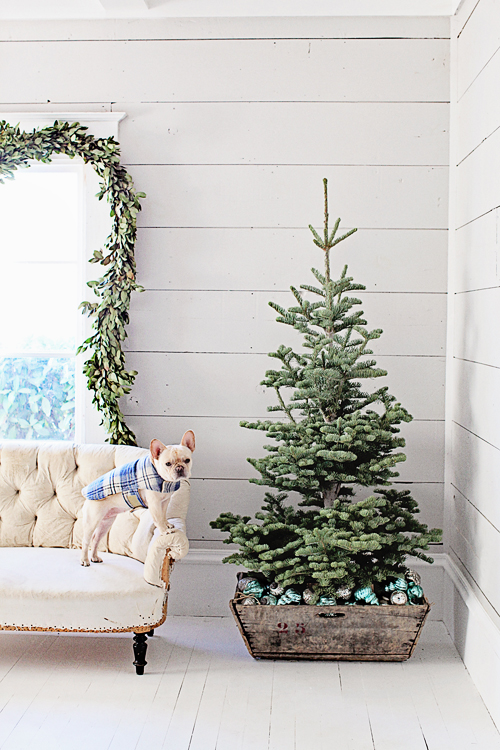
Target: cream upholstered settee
42, 584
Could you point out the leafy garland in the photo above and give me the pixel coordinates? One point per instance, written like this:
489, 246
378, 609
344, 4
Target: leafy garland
105, 369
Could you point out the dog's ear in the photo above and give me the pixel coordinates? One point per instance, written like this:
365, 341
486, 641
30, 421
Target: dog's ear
188, 440
156, 447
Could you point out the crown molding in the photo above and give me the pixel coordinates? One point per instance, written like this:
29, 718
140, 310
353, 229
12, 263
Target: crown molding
49, 117
154, 9
99, 124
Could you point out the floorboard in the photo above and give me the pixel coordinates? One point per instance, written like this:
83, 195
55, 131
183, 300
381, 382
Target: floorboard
202, 691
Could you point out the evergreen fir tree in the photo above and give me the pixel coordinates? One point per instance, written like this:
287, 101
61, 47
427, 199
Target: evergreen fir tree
333, 435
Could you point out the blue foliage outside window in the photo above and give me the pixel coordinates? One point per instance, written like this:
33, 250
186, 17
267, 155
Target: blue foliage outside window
37, 398
39, 302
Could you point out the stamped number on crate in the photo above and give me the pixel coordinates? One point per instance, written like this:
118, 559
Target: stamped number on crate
282, 628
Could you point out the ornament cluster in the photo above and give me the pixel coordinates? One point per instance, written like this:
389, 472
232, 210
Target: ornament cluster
255, 589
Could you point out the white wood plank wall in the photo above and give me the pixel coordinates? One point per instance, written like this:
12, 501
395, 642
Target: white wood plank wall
231, 126
473, 440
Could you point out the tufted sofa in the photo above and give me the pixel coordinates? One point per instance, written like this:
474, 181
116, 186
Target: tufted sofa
42, 584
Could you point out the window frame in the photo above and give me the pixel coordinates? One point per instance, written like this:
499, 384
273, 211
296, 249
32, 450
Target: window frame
94, 228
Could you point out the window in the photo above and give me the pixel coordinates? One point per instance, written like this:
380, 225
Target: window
39, 290
50, 224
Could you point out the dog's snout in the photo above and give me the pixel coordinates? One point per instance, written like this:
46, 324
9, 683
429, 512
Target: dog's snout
179, 471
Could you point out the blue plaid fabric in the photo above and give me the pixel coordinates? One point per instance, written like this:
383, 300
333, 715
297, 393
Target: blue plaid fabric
128, 480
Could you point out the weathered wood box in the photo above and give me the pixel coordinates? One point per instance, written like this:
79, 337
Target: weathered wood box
340, 633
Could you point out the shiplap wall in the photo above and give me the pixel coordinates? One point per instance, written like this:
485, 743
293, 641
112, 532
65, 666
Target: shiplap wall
473, 439
231, 126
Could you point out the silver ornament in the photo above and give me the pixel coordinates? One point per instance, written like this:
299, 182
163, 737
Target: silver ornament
413, 576
307, 595
399, 597
343, 593
276, 589
243, 582
268, 599
250, 600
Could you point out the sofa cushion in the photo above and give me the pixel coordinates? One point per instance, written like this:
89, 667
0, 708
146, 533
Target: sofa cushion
49, 589
41, 496
41, 488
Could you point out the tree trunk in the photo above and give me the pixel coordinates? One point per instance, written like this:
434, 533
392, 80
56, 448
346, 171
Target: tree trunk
330, 495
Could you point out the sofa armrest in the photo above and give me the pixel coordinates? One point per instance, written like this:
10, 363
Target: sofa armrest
170, 546
132, 533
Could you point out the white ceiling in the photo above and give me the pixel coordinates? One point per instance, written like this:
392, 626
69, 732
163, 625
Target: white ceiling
100, 9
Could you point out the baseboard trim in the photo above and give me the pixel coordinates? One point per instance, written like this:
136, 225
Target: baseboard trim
204, 557
215, 556
438, 557
489, 621
475, 629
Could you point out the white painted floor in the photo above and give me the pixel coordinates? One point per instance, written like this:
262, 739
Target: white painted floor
202, 691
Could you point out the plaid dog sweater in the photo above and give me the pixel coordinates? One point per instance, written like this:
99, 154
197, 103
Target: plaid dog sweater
128, 480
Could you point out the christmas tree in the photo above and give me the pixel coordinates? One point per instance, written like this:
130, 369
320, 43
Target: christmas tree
334, 436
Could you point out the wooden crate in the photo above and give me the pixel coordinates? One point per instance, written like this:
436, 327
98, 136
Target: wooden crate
340, 633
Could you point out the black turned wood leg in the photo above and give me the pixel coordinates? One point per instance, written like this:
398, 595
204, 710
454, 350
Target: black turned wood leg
150, 633
140, 648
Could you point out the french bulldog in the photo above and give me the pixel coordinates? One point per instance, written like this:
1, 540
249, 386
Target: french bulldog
148, 482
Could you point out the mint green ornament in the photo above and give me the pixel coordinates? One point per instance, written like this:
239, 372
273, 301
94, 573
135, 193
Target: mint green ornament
366, 595
415, 592
253, 588
290, 597
326, 601
400, 584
